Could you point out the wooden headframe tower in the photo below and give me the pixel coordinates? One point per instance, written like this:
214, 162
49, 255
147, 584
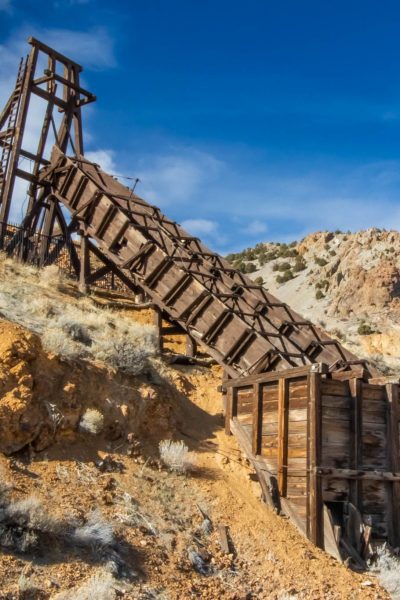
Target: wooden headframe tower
47, 76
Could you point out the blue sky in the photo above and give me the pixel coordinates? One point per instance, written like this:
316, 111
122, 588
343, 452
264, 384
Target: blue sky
245, 121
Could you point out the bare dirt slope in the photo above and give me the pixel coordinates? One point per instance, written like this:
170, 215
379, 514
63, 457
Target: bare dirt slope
349, 283
98, 509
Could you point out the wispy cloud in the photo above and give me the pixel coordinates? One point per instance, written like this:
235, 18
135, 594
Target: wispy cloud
255, 228
177, 177
104, 158
94, 48
5, 5
200, 226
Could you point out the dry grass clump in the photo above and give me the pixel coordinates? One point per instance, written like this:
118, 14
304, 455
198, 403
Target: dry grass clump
50, 276
387, 567
26, 528
98, 587
175, 455
77, 330
92, 421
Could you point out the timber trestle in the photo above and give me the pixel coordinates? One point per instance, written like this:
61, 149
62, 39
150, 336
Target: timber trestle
298, 401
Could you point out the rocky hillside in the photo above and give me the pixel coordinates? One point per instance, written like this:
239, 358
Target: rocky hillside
90, 506
349, 283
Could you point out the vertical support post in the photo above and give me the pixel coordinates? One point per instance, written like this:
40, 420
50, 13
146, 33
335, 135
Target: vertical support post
157, 321
393, 454
191, 346
283, 430
356, 449
5, 200
315, 522
84, 271
231, 408
257, 418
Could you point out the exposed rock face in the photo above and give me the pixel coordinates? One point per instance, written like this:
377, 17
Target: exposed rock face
347, 279
22, 415
42, 397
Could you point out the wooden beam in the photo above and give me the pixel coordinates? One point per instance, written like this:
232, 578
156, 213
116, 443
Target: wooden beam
53, 53
228, 411
157, 322
283, 427
315, 504
291, 373
329, 473
84, 272
355, 386
191, 346
257, 418
392, 394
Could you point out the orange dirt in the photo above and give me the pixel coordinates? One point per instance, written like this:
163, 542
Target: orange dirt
269, 557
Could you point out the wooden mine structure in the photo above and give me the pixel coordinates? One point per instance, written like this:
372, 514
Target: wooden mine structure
321, 432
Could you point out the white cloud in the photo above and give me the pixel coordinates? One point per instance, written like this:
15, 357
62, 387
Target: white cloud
177, 177
255, 228
200, 226
104, 158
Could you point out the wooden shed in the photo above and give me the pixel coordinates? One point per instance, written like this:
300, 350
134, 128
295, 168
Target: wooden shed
326, 451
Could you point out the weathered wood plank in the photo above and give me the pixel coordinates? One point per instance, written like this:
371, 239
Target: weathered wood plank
315, 504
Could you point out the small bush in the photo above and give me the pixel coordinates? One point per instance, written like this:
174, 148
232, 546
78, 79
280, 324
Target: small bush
250, 268
387, 568
285, 266
259, 280
287, 276
365, 329
175, 455
92, 421
271, 255
319, 295
299, 265
321, 262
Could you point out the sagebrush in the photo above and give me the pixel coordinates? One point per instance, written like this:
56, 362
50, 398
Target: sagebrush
26, 527
92, 421
387, 567
175, 455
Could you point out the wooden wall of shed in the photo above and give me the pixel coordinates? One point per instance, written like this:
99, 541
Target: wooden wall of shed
336, 436
356, 419
321, 438
297, 484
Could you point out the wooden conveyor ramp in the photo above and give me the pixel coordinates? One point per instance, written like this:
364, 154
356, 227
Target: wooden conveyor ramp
299, 421
243, 327
323, 439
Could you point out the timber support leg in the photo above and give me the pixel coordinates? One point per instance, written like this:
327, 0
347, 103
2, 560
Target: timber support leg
84, 271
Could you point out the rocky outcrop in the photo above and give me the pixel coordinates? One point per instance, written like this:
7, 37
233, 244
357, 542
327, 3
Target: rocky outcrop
22, 415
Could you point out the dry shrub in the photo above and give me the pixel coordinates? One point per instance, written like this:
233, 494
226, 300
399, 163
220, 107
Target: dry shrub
50, 276
92, 421
175, 455
387, 567
26, 528
98, 587
78, 330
